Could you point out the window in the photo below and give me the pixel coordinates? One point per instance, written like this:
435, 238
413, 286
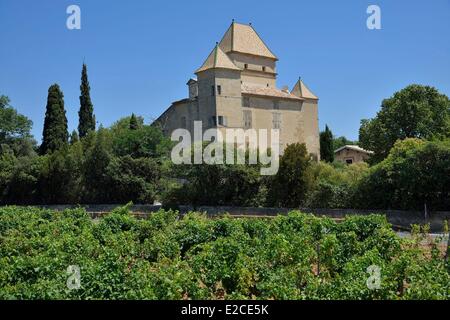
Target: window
246, 66
219, 90
213, 90
222, 120
247, 114
218, 120
246, 102
349, 161
276, 120
276, 105
264, 69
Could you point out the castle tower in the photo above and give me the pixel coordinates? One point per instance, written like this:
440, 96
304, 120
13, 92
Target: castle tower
310, 117
248, 51
219, 90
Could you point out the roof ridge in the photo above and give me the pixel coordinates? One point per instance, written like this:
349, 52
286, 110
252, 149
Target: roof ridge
215, 55
262, 40
303, 90
353, 147
232, 35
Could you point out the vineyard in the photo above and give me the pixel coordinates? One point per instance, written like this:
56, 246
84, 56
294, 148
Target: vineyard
297, 256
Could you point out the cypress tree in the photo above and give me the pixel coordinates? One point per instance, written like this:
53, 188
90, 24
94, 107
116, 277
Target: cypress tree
55, 134
74, 137
326, 145
133, 122
86, 114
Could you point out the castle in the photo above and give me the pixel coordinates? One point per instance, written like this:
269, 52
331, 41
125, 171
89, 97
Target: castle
236, 88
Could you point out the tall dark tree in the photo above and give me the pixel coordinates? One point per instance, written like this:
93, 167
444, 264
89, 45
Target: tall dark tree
55, 134
326, 145
86, 114
74, 137
133, 122
294, 178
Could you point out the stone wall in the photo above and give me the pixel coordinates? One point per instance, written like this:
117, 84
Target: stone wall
399, 219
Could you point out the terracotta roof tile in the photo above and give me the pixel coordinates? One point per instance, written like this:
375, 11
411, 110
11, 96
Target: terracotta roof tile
268, 91
243, 38
301, 90
217, 59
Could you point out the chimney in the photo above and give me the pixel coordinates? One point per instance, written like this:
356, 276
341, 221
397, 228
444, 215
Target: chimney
193, 89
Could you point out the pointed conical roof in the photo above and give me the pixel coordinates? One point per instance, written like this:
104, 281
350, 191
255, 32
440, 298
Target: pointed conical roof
301, 90
244, 39
217, 59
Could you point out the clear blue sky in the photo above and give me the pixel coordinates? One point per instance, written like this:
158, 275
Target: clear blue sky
141, 53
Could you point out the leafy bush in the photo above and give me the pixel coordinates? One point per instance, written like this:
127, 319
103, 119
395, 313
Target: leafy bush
99, 168
415, 173
216, 184
335, 184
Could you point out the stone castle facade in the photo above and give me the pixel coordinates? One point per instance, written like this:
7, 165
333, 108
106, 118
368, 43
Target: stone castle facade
236, 88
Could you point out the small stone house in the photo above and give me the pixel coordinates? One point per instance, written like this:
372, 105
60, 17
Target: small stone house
351, 154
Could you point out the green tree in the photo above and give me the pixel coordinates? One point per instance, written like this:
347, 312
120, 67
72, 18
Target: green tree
133, 179
144, 141
15, 130
294, 178
60, 176
55, 134
414, 112
95, 178
123, 124
133, 122
218, 184
74, 137
86, 114
12, 123
342, 141
19, 179
326, 145
4, 101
